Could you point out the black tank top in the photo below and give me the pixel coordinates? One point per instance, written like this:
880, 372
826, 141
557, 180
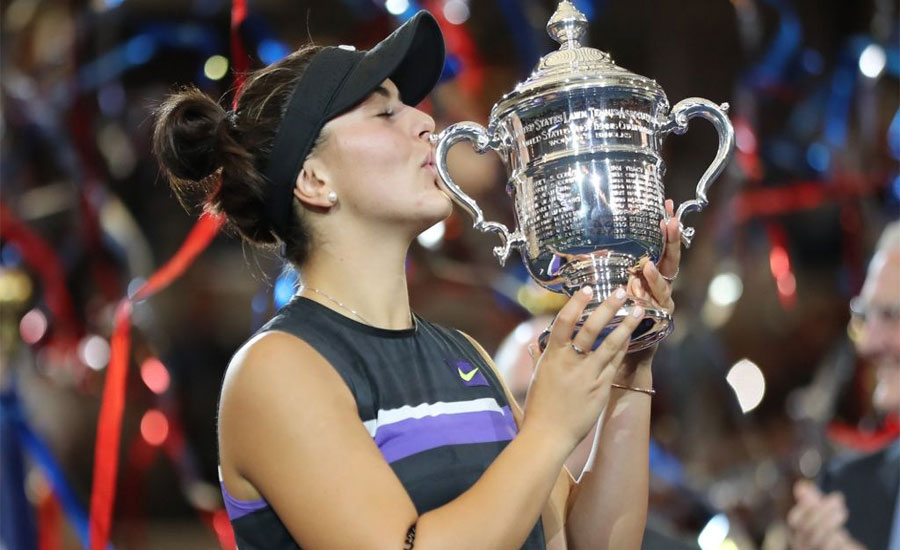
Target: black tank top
426, 396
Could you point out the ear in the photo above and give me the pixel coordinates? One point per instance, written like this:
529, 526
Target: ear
312, 187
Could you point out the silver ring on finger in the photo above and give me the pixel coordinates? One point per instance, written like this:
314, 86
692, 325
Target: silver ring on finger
578, 349
671, 278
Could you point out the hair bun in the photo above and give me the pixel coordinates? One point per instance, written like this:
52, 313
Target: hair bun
186, 137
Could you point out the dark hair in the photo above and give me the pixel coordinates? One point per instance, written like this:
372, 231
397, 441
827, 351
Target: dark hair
205, 150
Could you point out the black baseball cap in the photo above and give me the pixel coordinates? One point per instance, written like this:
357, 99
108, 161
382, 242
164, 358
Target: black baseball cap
337, 79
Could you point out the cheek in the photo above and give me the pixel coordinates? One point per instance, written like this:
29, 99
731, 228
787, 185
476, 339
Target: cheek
373, 154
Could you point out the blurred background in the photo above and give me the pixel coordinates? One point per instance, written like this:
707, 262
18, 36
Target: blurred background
757, 386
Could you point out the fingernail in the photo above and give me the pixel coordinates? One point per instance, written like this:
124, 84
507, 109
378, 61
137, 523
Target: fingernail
637, 312
620, 294
586, 290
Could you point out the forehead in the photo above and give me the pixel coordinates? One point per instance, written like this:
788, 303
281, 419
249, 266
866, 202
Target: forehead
386, 90
347, 122
883, 278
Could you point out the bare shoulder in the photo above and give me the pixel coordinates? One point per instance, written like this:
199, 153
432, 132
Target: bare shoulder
270, 357
290, 432
272, 369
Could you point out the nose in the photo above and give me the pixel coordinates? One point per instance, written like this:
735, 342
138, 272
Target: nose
879, 337
424, 126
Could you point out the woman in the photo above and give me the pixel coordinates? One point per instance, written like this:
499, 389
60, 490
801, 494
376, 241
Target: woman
347, 421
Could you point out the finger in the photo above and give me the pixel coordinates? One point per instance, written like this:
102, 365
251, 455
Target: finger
660, 289
671, 230
817, 515
806, 491
619, 338
827, 519
636, 287
802, 517
809, 498
615, 362
564, 324
598, 319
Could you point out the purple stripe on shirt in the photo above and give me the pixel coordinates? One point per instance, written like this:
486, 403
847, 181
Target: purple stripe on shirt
237, 508
415, 435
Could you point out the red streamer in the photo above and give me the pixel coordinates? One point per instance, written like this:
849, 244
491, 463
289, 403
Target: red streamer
239, 57
109, 426
866, 442
106, 454
41, 257
49, 515
196, 242
801, 195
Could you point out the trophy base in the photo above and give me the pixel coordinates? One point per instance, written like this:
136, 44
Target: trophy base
656, 325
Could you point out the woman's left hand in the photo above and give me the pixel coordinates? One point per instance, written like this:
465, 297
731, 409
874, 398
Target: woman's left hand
650, 282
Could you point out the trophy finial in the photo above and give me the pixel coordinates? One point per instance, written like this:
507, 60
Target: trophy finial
567, 25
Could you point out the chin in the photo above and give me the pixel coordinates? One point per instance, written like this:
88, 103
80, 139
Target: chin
438, 214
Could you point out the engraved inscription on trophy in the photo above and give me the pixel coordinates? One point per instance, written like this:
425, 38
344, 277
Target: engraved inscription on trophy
619, 123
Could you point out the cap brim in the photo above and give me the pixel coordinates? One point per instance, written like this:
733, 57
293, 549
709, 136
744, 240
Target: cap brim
412, 57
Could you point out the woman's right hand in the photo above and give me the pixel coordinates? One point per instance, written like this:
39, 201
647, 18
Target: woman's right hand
569, 389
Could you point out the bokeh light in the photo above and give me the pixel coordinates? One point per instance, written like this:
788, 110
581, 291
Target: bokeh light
154, 427
155, 375
748, 383
33, 326
431, 238
456, 11
93, 351
714, 533
872, 61
725, 289
396, 7
216, 67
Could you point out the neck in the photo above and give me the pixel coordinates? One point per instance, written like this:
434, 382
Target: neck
366, 276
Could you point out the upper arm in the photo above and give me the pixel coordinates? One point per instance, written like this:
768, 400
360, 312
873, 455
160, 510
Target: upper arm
290, 426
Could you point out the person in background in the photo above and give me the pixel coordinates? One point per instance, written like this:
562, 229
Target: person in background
855, 506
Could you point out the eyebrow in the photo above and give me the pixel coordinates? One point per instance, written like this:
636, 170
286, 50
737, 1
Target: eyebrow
381, 90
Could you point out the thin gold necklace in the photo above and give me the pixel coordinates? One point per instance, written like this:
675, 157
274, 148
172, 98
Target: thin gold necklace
358, 316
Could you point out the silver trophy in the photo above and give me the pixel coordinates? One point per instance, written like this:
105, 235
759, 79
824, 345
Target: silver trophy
581, 139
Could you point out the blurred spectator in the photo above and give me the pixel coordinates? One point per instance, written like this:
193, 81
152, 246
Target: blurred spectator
855, 506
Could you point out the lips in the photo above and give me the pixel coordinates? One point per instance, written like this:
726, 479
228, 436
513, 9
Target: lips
429, 164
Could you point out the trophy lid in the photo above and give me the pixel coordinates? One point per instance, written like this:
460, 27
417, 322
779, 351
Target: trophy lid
573, 64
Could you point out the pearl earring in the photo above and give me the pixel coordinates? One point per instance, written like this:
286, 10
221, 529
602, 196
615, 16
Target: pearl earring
332, 197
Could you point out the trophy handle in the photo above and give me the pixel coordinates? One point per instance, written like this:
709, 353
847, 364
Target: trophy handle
678, 123
481, 142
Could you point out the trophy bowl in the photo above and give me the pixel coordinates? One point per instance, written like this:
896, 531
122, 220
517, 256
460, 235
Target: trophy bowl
581, 141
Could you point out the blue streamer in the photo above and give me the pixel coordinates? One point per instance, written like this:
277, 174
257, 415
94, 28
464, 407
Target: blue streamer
17, 526
143, 47
665, 466
893, 137
40, 453
522, 33
775, 62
